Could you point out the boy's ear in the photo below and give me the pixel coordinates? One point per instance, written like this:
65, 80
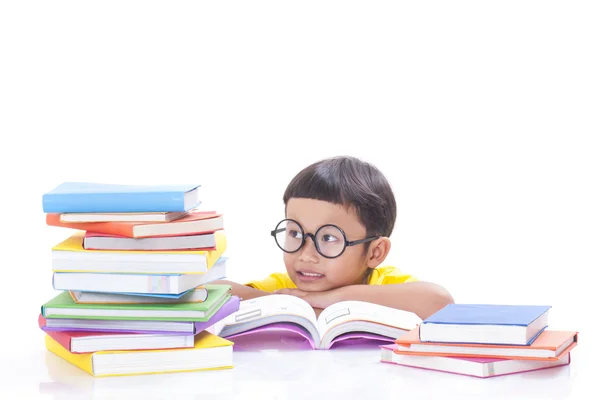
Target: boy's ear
378, 251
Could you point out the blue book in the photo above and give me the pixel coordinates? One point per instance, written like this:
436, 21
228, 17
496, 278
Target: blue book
485, 324
85, 197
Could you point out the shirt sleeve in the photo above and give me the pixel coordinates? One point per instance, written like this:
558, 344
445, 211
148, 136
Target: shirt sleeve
273, 282
389, 276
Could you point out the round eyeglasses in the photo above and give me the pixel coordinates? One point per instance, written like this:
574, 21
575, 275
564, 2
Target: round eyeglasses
330, 240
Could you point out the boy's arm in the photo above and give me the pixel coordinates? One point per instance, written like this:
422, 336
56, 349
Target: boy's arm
421, 298
242, 291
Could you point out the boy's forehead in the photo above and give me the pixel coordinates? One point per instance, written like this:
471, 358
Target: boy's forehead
313, 213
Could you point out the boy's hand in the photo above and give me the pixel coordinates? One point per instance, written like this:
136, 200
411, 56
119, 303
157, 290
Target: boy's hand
315, 299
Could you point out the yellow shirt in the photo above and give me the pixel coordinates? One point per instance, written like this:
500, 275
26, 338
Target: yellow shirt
387, 275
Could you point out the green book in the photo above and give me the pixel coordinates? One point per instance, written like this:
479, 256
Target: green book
63, 306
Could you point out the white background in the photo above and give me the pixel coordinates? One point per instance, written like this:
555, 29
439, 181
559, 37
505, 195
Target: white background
484, 117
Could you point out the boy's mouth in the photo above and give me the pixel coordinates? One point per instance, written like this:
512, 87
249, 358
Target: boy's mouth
309, 276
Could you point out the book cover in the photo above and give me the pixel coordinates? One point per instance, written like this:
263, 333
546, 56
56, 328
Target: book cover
549, 345
63, 306
231, 306
90, 197
487, 314
469, 366
485, 323
137, 362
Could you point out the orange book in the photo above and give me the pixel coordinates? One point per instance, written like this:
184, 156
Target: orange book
549, 345
193, 223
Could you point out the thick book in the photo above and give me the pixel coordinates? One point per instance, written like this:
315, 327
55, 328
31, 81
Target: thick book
340, 321
103, 241
89, 342
139, 326
209, 352
197, 295
191, 224
485, 324
63, 306
70, 256
163, 285
91, 197
477, 367
549, 345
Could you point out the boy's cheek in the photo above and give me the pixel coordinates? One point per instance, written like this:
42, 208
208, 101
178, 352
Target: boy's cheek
288, 261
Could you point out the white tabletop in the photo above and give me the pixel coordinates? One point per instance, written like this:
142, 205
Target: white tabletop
283, 368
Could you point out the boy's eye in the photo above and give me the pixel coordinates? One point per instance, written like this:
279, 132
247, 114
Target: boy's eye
329, 238
295, 234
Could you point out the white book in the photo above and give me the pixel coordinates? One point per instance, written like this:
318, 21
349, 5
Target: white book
96, 241
340, 321
196, 295
89, 342
139, 284
118, 325
209, 352
477, 367
71, 256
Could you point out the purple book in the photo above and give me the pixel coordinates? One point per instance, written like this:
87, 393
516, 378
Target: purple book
156, 327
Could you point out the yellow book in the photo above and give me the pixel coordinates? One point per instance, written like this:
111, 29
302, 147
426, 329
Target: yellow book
71, 256
210, 352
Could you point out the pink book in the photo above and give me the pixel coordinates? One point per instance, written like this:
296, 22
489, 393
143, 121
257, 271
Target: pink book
470, 366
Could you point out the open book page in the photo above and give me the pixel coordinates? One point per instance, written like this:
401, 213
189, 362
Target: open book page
363, 316
272, 309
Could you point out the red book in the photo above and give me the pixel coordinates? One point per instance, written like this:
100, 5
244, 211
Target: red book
89, 342
193, 223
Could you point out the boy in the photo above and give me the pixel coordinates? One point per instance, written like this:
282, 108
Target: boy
340, 213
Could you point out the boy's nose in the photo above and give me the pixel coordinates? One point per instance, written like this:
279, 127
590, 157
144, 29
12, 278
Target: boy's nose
308, 252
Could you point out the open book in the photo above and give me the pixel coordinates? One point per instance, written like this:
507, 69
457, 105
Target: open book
340, 321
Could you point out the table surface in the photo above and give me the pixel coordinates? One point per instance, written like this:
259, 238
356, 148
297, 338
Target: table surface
284, 368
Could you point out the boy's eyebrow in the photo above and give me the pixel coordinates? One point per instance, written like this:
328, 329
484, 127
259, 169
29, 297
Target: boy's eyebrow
318, 225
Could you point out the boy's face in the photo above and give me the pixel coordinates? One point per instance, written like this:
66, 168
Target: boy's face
308, 269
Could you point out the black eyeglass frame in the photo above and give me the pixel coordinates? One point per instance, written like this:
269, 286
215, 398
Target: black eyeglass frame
347, 243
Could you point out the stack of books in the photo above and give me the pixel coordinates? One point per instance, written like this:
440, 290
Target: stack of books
135, 280
483, 340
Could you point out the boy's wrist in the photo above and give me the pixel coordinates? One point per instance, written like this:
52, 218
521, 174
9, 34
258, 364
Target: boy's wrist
342, 294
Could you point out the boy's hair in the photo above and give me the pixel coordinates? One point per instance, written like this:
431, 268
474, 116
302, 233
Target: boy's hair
350, 182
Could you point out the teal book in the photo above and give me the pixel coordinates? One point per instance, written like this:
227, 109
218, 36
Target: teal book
89, 197
63, 306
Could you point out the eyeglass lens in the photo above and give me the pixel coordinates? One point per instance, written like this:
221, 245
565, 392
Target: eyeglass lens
329, 239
